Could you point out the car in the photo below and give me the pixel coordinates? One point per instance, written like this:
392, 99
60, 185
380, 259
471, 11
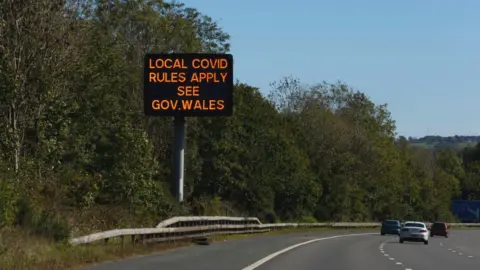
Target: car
414, 231
439, 228
390, 227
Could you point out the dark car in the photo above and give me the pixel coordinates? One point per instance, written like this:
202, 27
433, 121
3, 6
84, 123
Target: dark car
439, 228
390, 227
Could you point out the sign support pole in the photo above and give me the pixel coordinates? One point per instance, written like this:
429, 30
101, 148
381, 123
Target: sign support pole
179, 124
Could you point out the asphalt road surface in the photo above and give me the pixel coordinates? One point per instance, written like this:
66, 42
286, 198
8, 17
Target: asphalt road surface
317, 251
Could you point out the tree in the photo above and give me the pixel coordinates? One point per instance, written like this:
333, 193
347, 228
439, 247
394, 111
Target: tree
75, 133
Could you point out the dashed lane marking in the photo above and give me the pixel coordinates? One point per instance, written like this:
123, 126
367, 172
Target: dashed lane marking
388, 256
454, 251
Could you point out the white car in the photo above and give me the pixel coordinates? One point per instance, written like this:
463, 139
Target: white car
414, 231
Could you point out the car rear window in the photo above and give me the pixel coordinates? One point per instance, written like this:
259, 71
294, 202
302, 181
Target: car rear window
392, 222
418, 225
438, 226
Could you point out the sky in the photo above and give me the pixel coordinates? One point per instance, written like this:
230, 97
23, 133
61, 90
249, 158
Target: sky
421, 57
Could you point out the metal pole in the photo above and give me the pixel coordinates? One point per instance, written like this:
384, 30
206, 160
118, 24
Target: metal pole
179, 125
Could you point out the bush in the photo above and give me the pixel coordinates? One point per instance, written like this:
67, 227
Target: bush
269, 217
8, 208
307, 219
52, 226
41, 222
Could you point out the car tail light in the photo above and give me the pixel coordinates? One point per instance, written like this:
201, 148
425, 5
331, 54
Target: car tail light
423, 230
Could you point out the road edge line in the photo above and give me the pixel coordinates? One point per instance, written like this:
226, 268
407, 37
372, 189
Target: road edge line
275, 254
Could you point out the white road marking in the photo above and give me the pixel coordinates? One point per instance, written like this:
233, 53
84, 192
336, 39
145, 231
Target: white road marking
450, 249
392, 259
454, 251
275, 254
383, 251
441, 244
470, 256
460, 253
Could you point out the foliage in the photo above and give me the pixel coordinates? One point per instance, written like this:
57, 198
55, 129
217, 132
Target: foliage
451, 142
77, 154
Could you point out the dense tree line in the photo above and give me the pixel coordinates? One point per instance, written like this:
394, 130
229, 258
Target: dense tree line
456, 142
441, 139
76, 151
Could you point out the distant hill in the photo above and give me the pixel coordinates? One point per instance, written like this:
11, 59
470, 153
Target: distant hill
438, 142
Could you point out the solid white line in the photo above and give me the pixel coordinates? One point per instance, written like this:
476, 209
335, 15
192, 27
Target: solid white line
275, 254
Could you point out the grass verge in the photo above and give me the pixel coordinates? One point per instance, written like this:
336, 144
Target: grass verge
21, 251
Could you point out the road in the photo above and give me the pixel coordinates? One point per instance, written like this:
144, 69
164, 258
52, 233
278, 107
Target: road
356, 252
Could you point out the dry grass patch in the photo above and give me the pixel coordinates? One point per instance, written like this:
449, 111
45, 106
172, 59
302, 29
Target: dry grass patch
21, 251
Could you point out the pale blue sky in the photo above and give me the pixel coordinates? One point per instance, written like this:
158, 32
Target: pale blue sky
421, 57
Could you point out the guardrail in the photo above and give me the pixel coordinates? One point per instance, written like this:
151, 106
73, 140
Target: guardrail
181, 228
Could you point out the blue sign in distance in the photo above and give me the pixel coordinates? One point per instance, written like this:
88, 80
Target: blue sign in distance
466, 211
